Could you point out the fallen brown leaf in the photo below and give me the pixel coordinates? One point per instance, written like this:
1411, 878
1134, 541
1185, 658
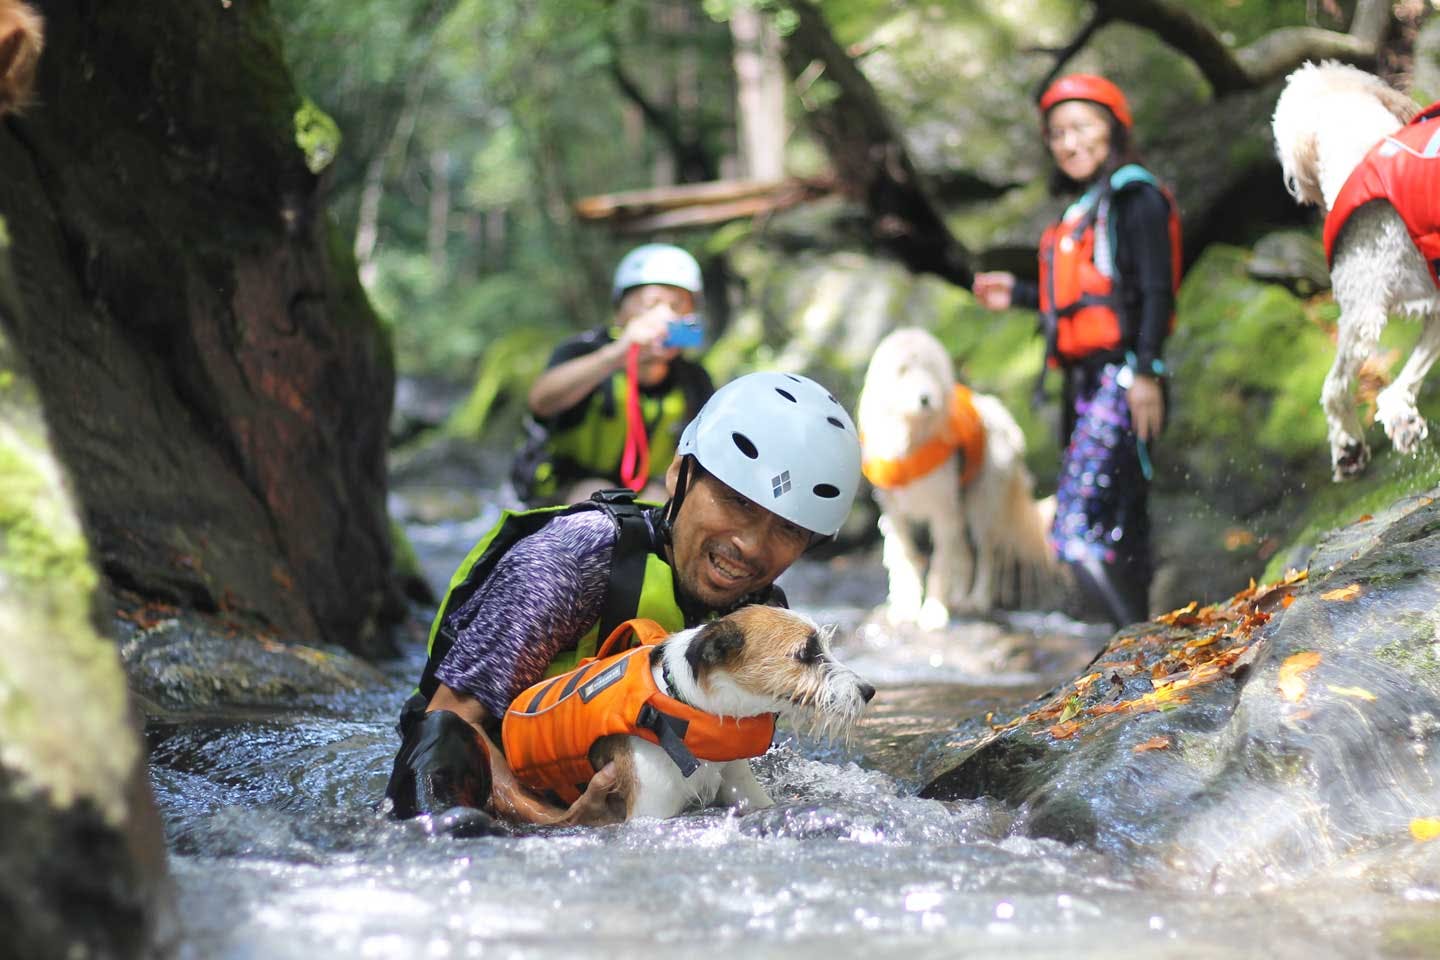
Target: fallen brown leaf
1154, 743
1291, 682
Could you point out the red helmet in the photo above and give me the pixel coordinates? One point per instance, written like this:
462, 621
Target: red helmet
1087, 86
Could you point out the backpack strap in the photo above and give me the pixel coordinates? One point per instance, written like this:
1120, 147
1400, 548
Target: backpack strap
634, 542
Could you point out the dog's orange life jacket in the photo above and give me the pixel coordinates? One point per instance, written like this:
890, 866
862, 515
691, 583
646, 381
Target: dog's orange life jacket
1403, 168
964, 431
1078, 296
549, 729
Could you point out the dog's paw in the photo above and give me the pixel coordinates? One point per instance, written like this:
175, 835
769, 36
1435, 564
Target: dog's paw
1407, 432
1349, 459
901, 614
934, 615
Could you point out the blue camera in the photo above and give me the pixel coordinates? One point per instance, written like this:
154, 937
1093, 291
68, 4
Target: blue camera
685, 332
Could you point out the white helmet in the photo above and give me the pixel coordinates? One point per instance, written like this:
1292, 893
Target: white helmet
656, 263
783, 441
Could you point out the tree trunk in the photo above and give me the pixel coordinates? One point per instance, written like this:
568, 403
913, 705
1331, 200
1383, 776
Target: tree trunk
760, 95
869, 156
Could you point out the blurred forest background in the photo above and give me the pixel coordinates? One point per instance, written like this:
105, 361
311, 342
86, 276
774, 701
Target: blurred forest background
860, 158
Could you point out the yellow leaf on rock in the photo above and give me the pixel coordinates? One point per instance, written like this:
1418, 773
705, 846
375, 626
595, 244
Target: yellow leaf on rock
1291, 682
1064, 730
1342, 593
1359, 693
1425, 828
1154, 743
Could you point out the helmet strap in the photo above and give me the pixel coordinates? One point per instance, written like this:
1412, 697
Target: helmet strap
672, 509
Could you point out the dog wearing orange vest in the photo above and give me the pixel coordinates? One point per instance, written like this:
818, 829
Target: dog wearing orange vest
948, 460
681, 715
1347, 143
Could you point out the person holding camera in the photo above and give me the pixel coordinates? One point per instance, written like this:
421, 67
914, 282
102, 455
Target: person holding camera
610, 407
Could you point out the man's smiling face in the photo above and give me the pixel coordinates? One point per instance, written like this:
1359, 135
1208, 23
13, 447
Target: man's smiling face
725, 545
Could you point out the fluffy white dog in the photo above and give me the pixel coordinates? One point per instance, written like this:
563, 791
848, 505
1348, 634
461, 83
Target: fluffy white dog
952, 462
1327, 121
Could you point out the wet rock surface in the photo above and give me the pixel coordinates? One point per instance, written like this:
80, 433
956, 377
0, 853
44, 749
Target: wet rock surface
178, 661
1276, 732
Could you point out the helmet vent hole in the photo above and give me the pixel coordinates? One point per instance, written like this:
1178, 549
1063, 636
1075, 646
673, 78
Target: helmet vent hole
787, 395
795, 378
745, 446
834, 422
827, 491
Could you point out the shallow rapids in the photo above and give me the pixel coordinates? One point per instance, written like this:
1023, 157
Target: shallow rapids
278, 852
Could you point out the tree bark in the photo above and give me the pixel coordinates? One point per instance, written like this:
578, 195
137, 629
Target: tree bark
868, 154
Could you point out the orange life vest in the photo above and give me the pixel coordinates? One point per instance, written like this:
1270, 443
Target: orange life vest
549, 729
1078, 297
1403, 168
964, 431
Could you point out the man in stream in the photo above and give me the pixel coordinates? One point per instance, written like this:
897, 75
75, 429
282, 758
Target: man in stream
768, 468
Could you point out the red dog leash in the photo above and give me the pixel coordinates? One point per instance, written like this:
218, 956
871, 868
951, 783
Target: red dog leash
635, 462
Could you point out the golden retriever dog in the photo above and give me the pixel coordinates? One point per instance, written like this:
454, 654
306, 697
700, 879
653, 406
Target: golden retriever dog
1331, 121
951, 462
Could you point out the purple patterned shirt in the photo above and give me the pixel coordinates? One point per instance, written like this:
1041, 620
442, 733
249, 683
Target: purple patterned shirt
542, 596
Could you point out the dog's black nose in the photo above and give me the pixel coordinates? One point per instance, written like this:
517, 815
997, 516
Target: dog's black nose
866, 692
924, 400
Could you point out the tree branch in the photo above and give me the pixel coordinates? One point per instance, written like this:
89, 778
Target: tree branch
1063, 55
869, 157
1269, 57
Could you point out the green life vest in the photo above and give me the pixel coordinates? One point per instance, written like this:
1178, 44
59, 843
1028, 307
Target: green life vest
590, 441
641, 583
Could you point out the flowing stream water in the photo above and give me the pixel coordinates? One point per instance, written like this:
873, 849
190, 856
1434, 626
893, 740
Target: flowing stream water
278, 851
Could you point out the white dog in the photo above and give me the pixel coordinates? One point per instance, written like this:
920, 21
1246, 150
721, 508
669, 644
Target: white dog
681, 718
953, 462
1327, 120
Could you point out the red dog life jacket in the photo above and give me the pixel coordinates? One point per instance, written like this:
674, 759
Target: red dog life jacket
1078, 299
549, 729
1402, 168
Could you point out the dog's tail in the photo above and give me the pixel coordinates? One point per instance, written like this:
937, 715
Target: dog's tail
1029, 576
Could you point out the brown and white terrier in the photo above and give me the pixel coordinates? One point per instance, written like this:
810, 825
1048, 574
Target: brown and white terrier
691, 711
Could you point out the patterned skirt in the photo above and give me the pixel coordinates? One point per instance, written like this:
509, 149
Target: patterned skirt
1100, 500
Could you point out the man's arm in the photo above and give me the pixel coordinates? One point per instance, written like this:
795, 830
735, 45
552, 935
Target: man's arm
508, 796
539, 599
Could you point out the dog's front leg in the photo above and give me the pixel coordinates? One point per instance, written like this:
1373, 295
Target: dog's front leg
948, 580
1359, 330
1395, 405
739, 788
903, 563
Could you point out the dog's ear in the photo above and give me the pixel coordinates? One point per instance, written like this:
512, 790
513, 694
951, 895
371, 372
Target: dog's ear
1303, 172
715, 644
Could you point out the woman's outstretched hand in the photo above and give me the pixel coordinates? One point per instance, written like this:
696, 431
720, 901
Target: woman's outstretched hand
994, 289
1147, 406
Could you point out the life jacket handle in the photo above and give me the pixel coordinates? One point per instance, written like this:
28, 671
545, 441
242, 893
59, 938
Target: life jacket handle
637, 632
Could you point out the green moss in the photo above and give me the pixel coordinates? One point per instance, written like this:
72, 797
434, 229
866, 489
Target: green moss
1389, 478
1413, 938
42, 545
317, 135
1415, 657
